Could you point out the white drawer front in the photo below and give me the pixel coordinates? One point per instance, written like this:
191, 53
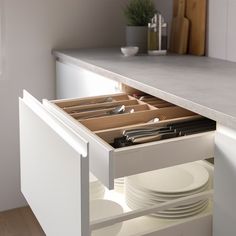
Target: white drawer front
54, 171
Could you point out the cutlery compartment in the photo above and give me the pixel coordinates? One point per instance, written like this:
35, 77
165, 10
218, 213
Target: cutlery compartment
67, 103
109, 135
105, 112
141, 117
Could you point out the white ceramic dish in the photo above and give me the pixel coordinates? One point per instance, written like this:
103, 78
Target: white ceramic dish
172, 215
148, 201
162, 197
101, 209
167, 184
129, 51
143, 203
173, 180
172, 211
119, 185
180, 216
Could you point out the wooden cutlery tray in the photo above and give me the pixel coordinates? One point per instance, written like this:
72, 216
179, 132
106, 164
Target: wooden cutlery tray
107, 162
143, 112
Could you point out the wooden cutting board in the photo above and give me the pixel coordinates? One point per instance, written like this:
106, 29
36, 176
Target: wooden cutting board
196, 13
179, 29
175, 7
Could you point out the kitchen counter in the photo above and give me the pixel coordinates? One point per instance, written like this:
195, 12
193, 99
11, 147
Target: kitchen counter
203, 85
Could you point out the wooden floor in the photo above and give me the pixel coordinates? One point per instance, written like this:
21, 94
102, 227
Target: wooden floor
19, 222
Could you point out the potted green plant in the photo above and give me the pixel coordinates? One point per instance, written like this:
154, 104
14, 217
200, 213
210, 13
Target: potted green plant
138, 14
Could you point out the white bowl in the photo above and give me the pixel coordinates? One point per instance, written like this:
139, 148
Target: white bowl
129, 51
101, 209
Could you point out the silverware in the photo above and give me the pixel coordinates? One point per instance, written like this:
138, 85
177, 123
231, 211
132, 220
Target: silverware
116, 111
129, 133
153, 138
150, 134
183, 128
154, 120
104, 106
150, 137
131, 136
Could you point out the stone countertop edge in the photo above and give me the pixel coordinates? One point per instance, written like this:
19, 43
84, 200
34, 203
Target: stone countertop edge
95, 60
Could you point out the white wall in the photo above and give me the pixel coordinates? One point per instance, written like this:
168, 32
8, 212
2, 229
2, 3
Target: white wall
33, 28
222, 29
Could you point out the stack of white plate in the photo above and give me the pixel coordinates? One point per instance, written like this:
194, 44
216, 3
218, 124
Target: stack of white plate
103, 209
97, 190
167, 184
119, 184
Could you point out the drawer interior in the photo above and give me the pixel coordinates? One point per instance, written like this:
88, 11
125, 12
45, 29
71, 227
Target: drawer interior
110, 116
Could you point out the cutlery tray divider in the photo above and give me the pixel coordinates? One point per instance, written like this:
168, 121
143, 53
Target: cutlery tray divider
140, 117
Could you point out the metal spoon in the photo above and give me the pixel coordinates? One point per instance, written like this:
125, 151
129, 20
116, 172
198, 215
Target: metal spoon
117, 110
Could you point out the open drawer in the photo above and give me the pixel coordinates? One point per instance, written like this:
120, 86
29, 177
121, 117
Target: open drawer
107, 162
55, 179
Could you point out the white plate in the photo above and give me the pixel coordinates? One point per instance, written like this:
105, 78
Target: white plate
172, 180
101, 209
174, 210
144, 201
170, 215
178, 209
162, 197
180, 216
180, 212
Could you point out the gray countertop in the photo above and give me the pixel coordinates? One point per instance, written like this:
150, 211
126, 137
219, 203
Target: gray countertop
203, 85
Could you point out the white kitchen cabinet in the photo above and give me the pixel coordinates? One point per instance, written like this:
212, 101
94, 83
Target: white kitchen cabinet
193, 83
76, 82
57, 150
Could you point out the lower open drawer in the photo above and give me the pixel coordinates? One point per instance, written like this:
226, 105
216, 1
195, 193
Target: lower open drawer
107, 162
140, 223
